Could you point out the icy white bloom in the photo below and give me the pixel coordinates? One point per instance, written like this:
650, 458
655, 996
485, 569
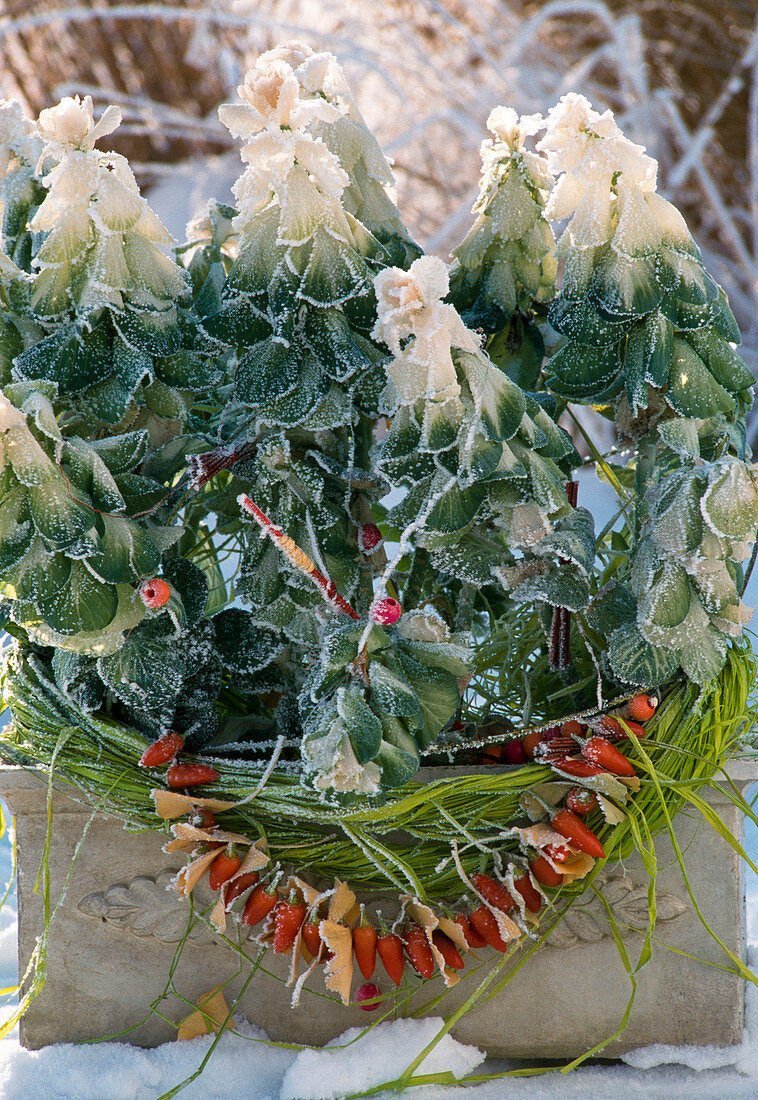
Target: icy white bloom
317, 73
19, 138
409, 304
95, 217
607, 184
285, 158
71, 125
272, 100
507, 145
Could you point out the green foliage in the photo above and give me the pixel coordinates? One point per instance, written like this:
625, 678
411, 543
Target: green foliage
300, 351
370, 706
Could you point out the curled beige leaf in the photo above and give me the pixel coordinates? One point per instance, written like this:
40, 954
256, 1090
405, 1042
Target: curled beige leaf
210, 1014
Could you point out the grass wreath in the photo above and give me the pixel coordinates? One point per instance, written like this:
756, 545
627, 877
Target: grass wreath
298, 509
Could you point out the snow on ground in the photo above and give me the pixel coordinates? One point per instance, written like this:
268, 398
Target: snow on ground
243, 1066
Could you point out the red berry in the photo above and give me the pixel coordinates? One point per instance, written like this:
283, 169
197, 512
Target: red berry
367, 992
312, 936
559, 853
386, 611
288, 917
447, 949
581, 801
613, 730
582, 769
472, 937
190, 775
513, 753
601, 752
162, 750
155, 593
544, 872
259, 905
532, 898
389, 948
574, 829
494, 892
239, 885
418, 950
369, 538
642, 707
484, 922
364, 946
572, 728
223, 867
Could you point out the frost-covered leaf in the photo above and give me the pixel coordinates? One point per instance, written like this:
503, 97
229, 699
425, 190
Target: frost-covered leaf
614, 604
16, 529
121, 453
572, 539
191, 583
437, 693
87, 471
76, 676
558, 587
266, 371
692, 389
730, 503
647, 359
127, 553
72, 601
390, 690
130, 674
634, 661
703, 660
244, 647
340, 351
625, 286
363, 727
398, 755
456, 509
60, 519
584, 373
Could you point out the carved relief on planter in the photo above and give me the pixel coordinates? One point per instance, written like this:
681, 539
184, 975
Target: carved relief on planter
147, 906
587, 920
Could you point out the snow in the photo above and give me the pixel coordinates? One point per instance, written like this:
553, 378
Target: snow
389, 1047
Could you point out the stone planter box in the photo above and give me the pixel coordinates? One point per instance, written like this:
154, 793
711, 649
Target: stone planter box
115, 933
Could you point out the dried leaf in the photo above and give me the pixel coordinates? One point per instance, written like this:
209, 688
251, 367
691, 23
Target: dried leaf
210, 1014
171, 804
218, 915
338, 975
187, 836
575, 867
612, 814
188, 877
255, 859
538, 836
342, 901
454, 931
